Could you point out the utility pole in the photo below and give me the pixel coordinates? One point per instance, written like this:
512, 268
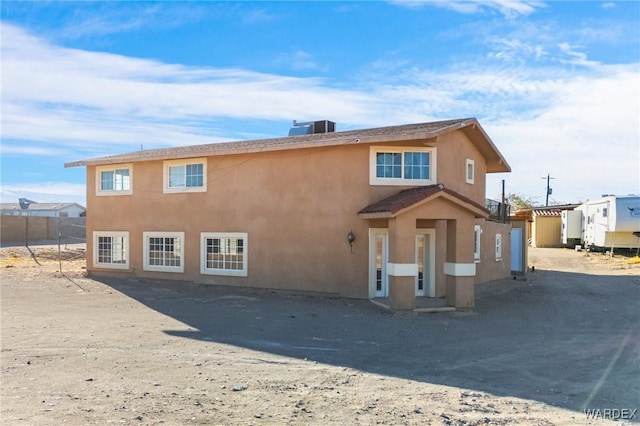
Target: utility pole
549, 190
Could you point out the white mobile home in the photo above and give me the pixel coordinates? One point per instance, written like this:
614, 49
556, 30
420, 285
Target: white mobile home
610, 222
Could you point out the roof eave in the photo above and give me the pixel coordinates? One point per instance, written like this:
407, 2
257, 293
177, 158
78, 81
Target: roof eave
496, 163
376, 215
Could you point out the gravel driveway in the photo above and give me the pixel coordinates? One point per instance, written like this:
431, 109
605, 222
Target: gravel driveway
539, 350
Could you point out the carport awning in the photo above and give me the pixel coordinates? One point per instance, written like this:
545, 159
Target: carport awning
410, 198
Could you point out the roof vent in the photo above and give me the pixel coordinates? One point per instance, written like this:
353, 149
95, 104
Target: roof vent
311, 127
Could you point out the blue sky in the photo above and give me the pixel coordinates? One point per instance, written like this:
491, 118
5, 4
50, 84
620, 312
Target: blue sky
556, 85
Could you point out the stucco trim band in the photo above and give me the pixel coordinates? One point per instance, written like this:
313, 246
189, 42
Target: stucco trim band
402, 269
460, 269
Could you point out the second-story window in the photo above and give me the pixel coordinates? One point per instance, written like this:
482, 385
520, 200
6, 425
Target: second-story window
114, 180
470, 171
402, 166
185, 175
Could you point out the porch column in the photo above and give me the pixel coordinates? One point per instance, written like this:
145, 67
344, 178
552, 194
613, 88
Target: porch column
402, 268
460, 267
441, 257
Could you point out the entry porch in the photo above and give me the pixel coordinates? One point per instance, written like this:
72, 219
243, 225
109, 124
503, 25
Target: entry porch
421, 245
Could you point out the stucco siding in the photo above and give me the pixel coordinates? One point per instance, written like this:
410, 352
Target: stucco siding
491, 268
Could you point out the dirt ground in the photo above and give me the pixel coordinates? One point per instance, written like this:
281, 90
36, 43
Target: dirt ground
535, 351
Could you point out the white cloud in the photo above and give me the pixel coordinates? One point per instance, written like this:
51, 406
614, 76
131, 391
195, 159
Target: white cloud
578, 123
44, 192
587, 139
574, 57
508, 8
93, 97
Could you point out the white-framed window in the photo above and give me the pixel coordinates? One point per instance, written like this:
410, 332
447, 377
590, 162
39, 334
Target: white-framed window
224, 253
163, 251
402, 165
469, 171
477, 233
111, 249
185, 175
498, 246
114, 179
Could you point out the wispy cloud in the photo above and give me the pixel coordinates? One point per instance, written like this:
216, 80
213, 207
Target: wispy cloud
44, 192
100, 19
508, 8
514, 50
92, 97
93, 103
299, 60
574, 57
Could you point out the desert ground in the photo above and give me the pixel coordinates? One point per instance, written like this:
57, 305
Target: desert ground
536, 350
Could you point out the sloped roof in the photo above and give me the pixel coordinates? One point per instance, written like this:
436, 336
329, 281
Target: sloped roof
39, 206
548, 211
409, 198
408, 132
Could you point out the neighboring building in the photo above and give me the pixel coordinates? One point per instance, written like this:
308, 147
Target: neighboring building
545, 224
394, 213
32, 208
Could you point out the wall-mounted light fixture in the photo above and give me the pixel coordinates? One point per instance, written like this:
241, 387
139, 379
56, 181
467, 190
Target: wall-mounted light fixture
351, 237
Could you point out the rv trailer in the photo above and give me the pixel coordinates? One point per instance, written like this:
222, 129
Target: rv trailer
571, 227
610, 222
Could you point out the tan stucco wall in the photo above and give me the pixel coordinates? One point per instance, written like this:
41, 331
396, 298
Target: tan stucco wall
297, 207
489, 268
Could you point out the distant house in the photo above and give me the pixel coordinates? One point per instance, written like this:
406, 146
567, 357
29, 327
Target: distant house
31, 208
393, 214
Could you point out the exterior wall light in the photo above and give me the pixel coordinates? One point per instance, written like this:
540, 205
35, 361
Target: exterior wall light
351, 237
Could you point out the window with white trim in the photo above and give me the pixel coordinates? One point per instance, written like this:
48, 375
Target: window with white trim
163, 251
469, 171
402, 165
498, 246
114, 179
477, 233
111, 249
185, 175
224, 253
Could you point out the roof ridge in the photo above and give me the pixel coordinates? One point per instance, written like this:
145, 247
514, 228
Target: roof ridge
366, 135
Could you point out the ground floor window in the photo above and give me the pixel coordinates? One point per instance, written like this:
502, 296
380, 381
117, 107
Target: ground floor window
224, 253
498, 247
163, 251
477, 233
111, 249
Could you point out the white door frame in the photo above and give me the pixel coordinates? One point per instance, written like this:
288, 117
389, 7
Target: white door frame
430, 287
373, 234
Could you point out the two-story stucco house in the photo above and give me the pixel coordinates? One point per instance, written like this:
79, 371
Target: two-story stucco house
392, 213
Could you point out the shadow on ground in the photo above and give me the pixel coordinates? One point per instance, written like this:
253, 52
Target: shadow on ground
569, 340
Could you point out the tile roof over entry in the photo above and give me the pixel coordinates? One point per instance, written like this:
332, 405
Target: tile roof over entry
408, 132
409, 198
